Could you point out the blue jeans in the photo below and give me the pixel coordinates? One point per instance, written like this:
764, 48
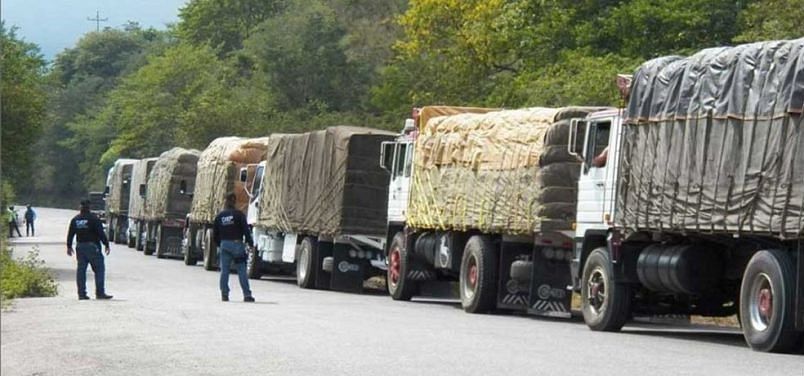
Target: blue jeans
231, 251
90, 254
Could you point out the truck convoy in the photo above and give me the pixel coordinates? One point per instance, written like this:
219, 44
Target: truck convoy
486, 199
692, 200
318, 202
118, 189
218, 173
137, 228
166, 204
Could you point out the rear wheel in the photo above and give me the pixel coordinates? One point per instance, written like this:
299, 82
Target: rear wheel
110, 229
131, 242
160, 244
478, 279
147, 249
138, 238
399, 286
254, 264
209, 251
766, 303
305, 265
188, 245
606, 305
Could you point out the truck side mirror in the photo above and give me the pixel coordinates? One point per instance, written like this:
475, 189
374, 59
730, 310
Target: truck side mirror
387, 155
142, 190
243, 174
106, 191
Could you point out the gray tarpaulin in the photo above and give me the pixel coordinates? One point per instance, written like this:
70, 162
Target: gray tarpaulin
714, 143
139, 175
119, 185
326, 182
164, 198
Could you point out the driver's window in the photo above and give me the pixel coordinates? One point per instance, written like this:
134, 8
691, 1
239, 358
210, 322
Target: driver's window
408, 160
258, 180
399, 159
598, 146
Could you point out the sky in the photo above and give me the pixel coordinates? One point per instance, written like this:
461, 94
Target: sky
58, 24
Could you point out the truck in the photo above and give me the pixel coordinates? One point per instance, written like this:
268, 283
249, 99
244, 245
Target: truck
97, 204
166, 201
691, 199
117, 191
217, 174
484, 198
140, 174
318, 208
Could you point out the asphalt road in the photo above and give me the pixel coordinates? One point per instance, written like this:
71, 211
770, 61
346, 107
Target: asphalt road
167, 319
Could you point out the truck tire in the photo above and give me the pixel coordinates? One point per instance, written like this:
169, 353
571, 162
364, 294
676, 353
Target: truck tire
766, 303
521, 271
209, 251
305, 263
478, 279
138, 240
254, 264
119, 234
131, 243
147, 249
400, 287
188, 245
605, 305
110, 228
160, 244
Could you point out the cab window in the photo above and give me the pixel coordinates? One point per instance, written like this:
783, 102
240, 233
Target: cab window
399, 159
598, 143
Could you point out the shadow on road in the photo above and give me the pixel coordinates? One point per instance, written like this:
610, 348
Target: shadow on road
734, 339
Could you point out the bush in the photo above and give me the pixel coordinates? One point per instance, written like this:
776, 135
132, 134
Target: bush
25, 277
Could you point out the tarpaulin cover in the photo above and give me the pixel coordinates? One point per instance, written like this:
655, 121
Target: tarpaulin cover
326, 182
714, 143
218, 174
505, 172
119, 183
164, 198
139, 175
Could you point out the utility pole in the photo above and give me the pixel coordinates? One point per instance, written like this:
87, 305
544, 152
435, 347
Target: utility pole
97, 20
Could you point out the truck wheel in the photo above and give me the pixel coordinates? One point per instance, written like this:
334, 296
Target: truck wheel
399, 286
209, 251
138, 236
118, 232
305, 265
478, 280
254, 264
606, 305
130, 242
188, 245
159, 248
146, 242
766, 303
110, 229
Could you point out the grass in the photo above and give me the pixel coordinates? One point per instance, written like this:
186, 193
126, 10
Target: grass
26, 277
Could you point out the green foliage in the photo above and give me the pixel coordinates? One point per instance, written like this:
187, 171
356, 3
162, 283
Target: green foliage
26, 277
23, 105
224, 24
772, 19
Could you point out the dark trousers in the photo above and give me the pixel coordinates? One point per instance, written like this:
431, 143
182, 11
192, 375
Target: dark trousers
13, 226
90, 254
29, 225
233, 252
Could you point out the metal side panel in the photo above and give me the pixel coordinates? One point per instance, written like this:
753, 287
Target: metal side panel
512, 294
549, 293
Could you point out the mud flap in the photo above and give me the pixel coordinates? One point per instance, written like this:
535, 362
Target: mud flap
800, 289
549, 293
512, 294
347, 273
323, 279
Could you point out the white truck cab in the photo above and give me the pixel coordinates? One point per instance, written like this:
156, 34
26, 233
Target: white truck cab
397, 158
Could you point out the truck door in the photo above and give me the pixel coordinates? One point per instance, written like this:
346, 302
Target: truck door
399, 188
594, 188
254, 190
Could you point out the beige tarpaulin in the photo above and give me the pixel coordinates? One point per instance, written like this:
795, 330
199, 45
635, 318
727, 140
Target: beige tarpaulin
326, 182
218, 168
119, 183
505, 172
139, 176
164, 198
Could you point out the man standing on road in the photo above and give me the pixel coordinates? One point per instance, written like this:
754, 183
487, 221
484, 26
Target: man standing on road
228, 231
12, 222
88, 230
30, 217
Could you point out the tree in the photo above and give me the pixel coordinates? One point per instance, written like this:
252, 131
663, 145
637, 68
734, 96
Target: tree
224, 24
771, 19
23, 106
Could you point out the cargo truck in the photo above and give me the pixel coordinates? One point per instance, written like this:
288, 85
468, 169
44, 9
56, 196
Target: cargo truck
118, 189
166, 204
318, 208
485, 198
140, 174
691, 200
97, 204
217, 174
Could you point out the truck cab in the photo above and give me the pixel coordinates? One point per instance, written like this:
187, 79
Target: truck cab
397, 158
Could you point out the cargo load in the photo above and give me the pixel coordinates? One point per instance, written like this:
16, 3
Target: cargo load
165, 198
326, 182
119, 186
713, 142
505, 172
218, 167
139, 180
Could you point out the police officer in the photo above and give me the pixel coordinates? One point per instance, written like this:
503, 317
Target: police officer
88, 230
30, 217
228, 230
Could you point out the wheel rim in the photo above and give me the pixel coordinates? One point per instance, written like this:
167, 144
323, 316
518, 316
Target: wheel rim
304, 258
596, 291
470, 282
395, 268
760, 309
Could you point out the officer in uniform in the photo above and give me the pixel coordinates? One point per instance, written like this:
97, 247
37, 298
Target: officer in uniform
88, 230
228, 230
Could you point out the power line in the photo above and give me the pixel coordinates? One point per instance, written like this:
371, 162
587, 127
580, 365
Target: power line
97, 20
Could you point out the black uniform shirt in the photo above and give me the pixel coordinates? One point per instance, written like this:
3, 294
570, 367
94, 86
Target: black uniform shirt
87, 228
231, 224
